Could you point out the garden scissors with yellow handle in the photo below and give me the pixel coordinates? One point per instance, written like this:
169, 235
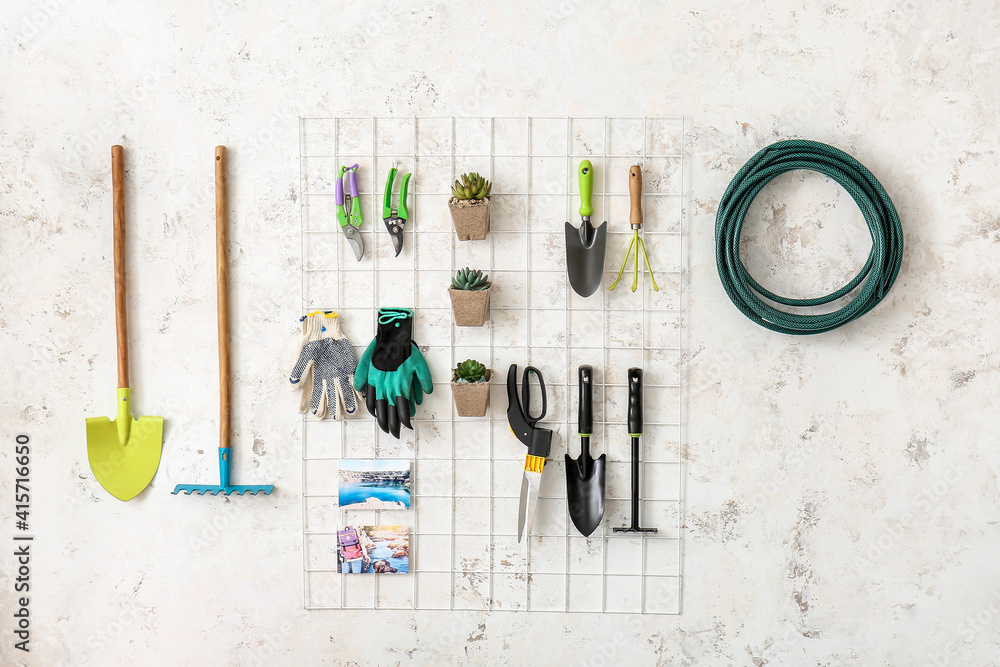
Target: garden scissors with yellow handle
538, 441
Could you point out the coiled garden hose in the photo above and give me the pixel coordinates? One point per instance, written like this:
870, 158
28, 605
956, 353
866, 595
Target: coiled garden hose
875, 278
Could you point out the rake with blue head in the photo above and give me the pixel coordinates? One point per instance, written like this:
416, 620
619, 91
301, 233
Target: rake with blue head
225, 396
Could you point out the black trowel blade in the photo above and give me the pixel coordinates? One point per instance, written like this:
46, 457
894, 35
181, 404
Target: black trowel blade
585, 493
585, 248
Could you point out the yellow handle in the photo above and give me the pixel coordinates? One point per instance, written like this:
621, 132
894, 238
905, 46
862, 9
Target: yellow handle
534, 463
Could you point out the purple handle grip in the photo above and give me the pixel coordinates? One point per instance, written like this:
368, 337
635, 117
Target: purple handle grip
354, 181
340, 192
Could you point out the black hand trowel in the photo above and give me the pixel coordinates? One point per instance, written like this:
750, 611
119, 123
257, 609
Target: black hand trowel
585, 246
585, 475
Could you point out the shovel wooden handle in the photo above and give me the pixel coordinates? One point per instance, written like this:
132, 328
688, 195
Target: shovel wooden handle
118, 204
222, 292
635, 195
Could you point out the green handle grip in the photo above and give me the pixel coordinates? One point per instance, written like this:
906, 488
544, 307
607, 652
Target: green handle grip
355, 212
402, 210
586, 188
387, 198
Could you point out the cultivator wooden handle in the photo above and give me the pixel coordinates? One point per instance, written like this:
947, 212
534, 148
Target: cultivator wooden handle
118, 204
635, 195
222, 292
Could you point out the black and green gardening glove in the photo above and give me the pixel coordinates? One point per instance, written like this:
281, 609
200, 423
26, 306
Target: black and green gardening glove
393, 372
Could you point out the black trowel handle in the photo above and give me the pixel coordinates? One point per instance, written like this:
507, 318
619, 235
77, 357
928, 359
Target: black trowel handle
635, 402
585, 415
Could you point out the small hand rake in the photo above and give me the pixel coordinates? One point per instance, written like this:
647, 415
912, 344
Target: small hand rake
635, 218
222, 288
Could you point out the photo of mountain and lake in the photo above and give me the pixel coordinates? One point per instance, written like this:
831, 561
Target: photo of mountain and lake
376, 484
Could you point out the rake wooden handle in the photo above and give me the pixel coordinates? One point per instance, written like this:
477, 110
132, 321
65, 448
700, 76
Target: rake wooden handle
222, 292
635, 195
118, 204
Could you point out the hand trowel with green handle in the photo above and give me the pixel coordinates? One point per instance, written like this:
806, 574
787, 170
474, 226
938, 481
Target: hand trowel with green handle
585, 245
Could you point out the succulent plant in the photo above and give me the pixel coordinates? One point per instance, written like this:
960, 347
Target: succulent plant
472, 186
471, 280
470, 370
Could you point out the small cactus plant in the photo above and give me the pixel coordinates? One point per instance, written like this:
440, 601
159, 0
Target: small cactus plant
470, 280
470, 207
470, 297
470, 371
470, 387
472, 186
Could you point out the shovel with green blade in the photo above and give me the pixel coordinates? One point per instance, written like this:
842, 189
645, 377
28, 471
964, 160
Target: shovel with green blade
124, 453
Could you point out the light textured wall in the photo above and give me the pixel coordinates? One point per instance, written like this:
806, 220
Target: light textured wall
840, 490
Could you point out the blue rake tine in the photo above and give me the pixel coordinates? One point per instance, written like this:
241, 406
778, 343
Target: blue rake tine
196, 489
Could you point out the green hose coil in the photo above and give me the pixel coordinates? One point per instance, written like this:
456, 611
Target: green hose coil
875, 278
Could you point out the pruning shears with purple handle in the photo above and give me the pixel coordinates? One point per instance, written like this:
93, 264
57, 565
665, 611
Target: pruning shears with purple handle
349, 210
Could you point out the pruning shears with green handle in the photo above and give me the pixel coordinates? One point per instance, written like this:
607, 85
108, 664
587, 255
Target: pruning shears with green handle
349, 210
395, 217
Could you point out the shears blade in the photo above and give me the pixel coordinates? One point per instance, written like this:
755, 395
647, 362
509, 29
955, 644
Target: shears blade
355, 241
395, 233
529, 502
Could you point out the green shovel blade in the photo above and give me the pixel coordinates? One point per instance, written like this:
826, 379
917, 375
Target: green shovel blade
124, 453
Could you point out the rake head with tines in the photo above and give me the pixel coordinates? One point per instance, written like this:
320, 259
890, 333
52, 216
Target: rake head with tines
223, 486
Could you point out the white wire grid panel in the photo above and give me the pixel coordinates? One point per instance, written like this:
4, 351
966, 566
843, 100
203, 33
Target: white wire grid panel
464, 552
